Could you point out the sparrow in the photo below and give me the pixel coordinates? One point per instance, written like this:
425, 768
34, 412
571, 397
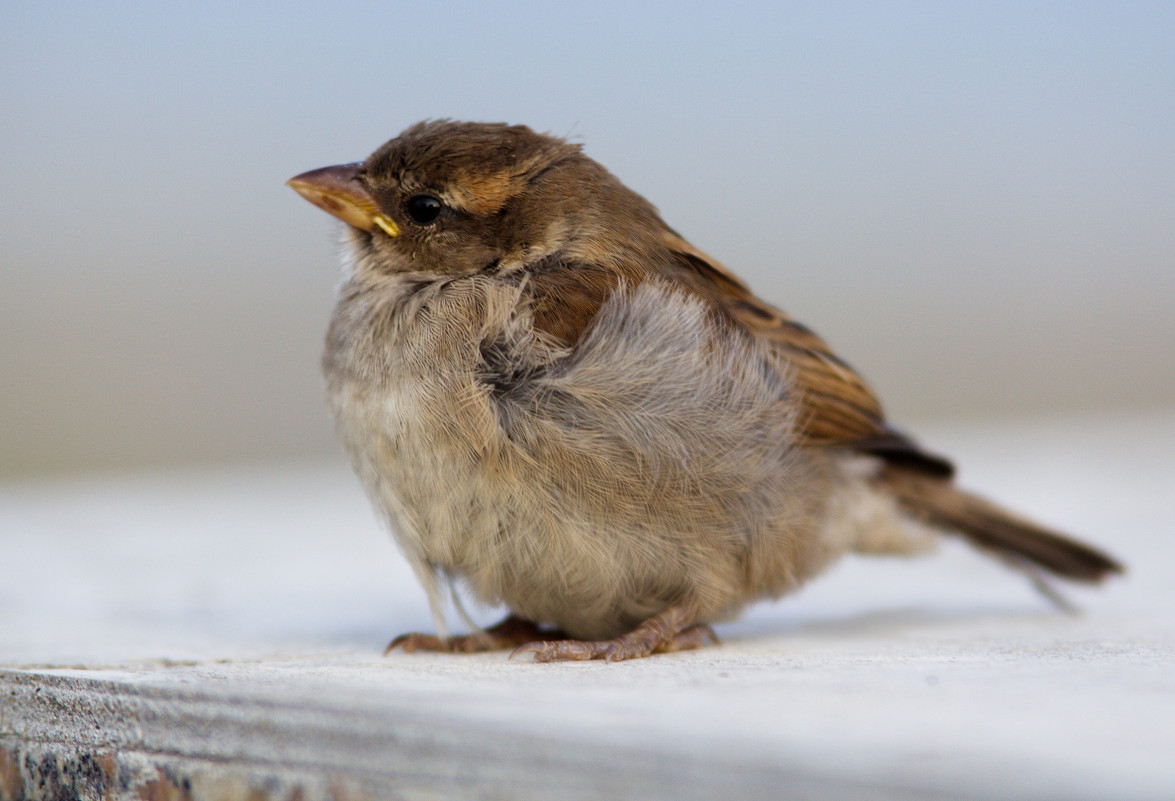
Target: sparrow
557, 401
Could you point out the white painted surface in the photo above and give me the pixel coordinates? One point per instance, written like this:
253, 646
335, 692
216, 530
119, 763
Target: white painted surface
271, 591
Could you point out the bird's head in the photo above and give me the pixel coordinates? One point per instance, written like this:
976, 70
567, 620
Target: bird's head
456, 198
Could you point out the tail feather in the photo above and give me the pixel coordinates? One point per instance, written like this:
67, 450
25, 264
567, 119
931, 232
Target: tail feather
938, 502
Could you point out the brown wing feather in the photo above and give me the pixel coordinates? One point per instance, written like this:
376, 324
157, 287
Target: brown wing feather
839, 406
565, 297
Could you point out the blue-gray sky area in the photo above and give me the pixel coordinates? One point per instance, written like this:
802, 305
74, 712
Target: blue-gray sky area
974, 202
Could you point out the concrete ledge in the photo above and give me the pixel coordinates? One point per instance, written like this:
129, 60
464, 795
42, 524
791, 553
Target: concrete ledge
81, 738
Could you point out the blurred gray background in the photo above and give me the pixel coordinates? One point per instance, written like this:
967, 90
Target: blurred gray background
973, 202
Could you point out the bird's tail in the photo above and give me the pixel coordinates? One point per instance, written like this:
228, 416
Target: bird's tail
1022, 543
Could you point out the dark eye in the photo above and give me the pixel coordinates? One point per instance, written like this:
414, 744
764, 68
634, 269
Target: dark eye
423, 209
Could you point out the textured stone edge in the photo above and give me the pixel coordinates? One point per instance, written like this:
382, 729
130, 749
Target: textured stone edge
64, 737
55, 772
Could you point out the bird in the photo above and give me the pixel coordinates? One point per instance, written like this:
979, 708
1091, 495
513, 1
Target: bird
557, 402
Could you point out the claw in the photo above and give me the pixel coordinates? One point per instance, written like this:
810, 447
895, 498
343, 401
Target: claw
511, 632
563, 650
417, 642
663, 633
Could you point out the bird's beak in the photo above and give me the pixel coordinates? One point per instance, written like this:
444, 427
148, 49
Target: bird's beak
338, 191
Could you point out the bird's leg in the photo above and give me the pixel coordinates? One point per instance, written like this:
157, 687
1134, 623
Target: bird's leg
671, 630
510, 633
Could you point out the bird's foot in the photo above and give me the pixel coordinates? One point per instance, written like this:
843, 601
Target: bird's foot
510, 633
664, 633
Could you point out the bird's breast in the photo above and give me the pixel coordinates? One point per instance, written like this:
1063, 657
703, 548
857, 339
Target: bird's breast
588, 487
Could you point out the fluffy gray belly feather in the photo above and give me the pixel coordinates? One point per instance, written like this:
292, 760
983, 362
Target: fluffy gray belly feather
589, 488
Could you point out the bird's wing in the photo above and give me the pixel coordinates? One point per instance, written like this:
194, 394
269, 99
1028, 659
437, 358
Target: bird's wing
839, 408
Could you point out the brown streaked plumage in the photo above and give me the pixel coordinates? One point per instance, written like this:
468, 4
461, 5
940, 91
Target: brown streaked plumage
557, 400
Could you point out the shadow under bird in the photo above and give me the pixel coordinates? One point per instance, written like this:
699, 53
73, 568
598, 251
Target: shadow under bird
557, 400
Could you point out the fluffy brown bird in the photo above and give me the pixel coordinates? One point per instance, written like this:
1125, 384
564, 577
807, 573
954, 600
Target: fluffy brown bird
556, 399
